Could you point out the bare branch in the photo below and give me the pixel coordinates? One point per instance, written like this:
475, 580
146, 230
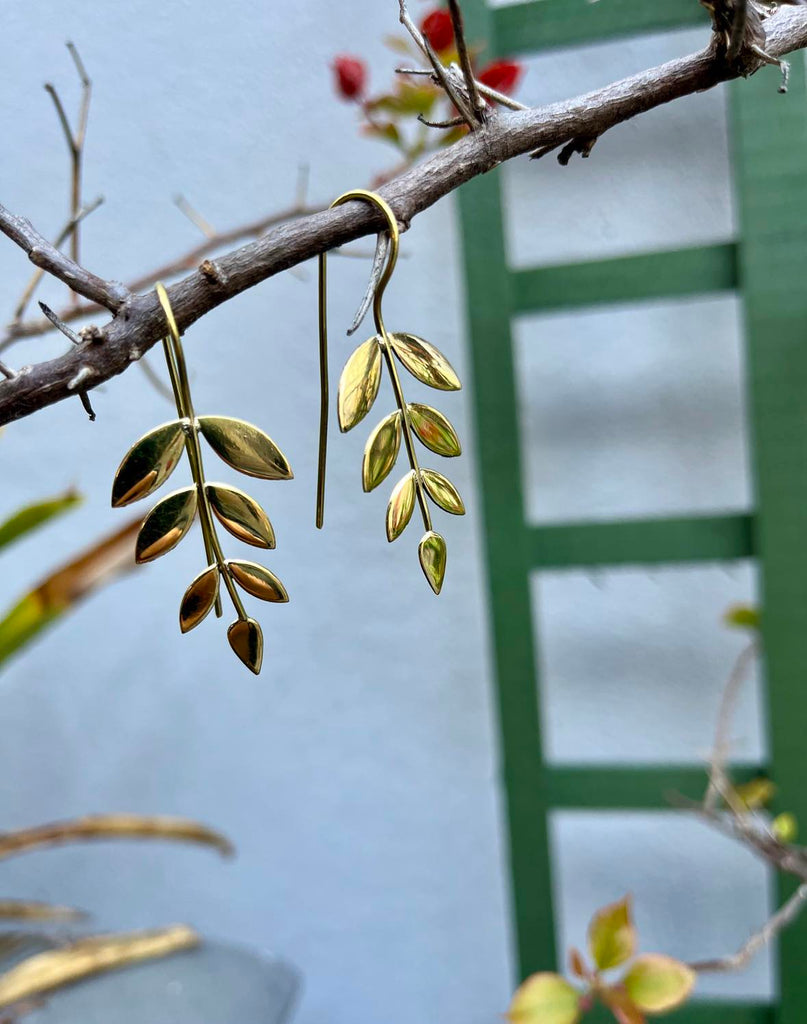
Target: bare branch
139, 325
478, 105
718, 778
784, 917
194, 217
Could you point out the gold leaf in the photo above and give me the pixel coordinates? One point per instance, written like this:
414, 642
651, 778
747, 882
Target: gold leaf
258, 581
425, 362
111, 826
657, 983
246, 639
166, 525
245, 447
58, 967
434, 430
401, 505
611, 935
443, 492
241, 515
432, 554
545, 999
148, 463
199, 598
358, 385
381, 451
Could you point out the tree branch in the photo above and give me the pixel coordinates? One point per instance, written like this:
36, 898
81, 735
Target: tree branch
138, 322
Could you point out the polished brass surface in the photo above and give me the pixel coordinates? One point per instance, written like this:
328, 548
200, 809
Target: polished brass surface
258, 581
425, 362
199, 598
358, 385
358, 389
148, 464
443, 492
381, 451
432, 554
166, 524
241, 515
434, 430
244, 447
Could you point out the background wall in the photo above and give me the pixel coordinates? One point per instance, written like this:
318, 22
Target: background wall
358, 774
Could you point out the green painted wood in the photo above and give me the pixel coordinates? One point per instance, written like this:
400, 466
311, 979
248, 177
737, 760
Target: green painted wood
702, 1013
630, 787
505, 544
659, 275
770, 138
642, 542
545, 24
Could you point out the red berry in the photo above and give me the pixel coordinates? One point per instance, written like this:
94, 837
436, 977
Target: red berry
351, 76
437, 28
501, 75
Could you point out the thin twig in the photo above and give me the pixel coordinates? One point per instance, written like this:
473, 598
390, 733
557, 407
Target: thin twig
718, 777
478, 105
61, 238
485, 90
784, 917
443, 77
194, 216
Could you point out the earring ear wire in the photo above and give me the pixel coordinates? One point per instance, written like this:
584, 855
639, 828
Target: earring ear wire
358, 388
245, 448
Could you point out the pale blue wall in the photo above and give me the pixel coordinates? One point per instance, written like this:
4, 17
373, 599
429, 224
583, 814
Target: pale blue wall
358, 774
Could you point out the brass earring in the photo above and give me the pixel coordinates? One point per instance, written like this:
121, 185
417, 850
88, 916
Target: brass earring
358, 388
149, 463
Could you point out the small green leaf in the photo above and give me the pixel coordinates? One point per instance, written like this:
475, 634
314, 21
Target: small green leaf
756, 793
785, 827
29, 517
611, 935
657, 983
741, 616
545, 999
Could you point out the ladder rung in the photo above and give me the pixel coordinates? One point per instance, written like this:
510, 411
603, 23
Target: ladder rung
704, 1013
632, 787
642, 542
545, 24
657, 275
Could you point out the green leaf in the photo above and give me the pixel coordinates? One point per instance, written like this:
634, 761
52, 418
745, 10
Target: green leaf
741, 616
611, 935
657, 983
545, 999
785, 827
29, 517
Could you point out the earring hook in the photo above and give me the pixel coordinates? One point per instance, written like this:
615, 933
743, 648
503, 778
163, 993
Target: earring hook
392, 258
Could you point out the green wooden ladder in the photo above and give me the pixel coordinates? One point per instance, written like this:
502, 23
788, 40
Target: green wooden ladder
767, 266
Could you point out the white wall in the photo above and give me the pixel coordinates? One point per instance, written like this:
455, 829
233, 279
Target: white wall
358, 773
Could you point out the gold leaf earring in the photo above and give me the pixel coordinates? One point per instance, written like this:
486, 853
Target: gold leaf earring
358, 388
149, 463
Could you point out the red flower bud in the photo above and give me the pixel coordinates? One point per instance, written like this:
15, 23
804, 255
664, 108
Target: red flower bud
437, 28
501, 75
351, 77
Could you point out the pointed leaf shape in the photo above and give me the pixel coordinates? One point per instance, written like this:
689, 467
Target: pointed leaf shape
434, 430
611, 935
401, 505
425, 362
432, 554
148, 463
545, 999
381, 451
358, 385
246, 639
258, 581
166, 525
245, 447
241, 515
657, 983
620, 1004
199, 598
443, 492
